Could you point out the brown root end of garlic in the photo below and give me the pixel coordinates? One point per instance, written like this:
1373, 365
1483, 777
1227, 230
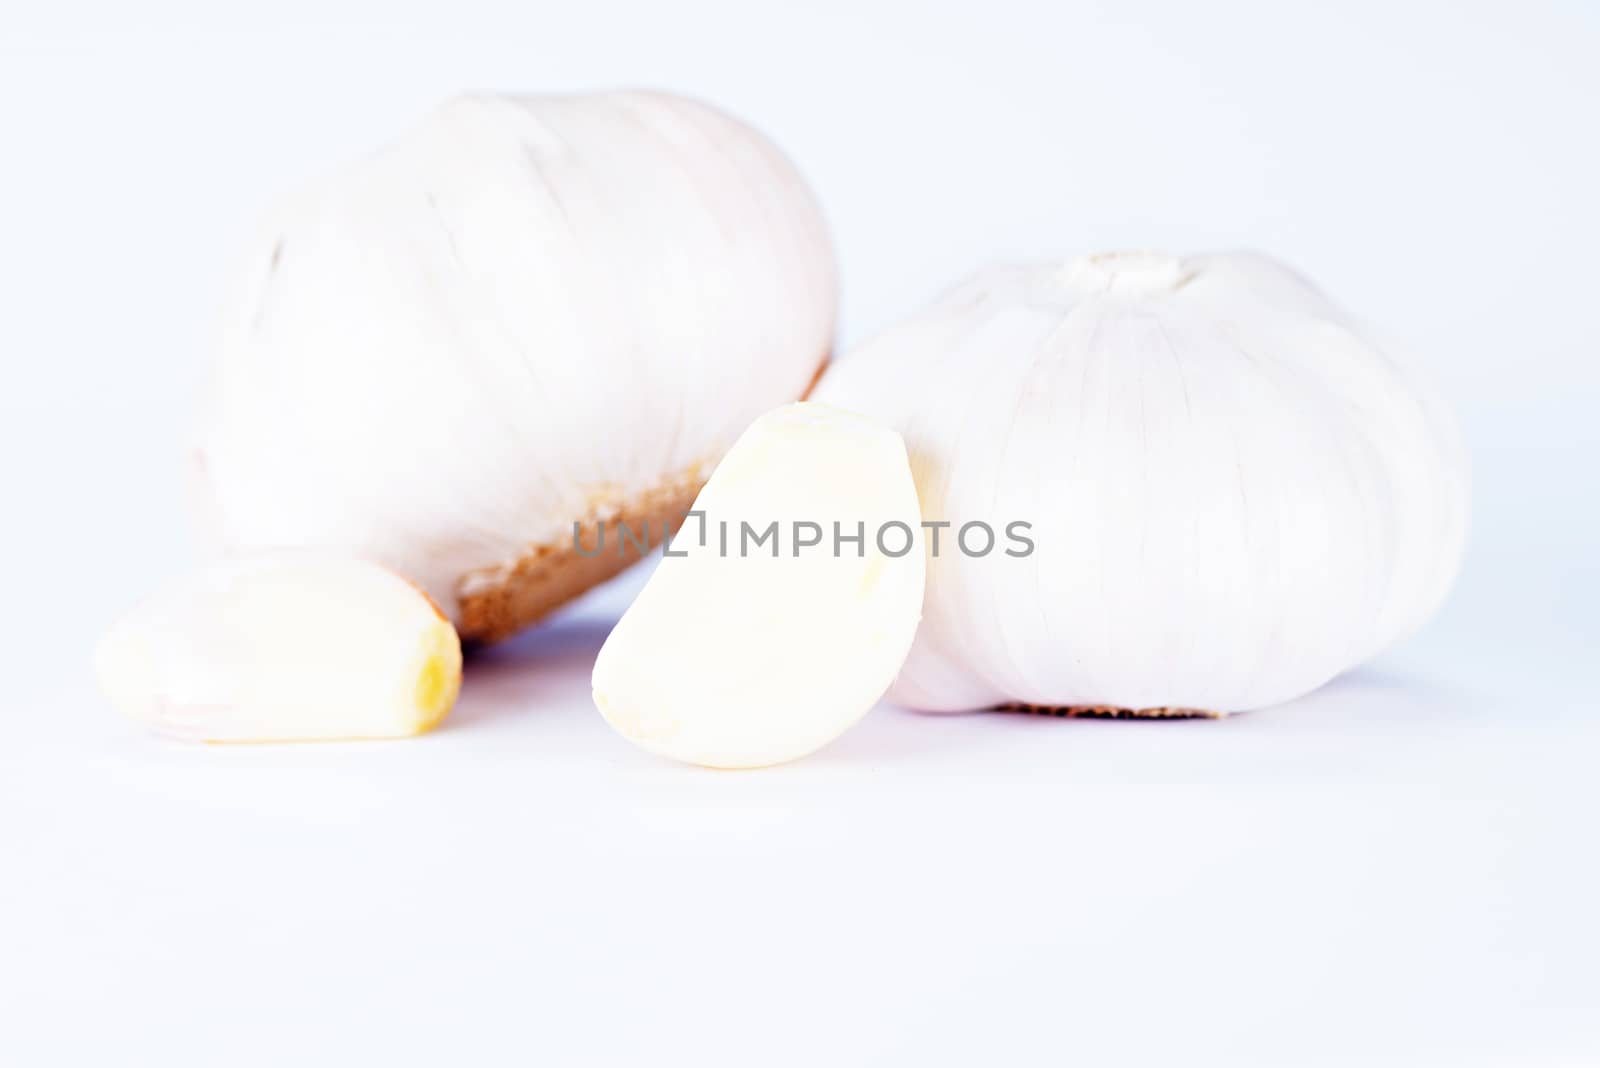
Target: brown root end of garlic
496, 605
1115, 712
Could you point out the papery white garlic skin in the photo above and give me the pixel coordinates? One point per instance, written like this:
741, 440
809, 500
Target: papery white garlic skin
1234, 493
758, 655
291, 647
526, 312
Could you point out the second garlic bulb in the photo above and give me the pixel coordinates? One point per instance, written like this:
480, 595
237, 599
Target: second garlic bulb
1233, 493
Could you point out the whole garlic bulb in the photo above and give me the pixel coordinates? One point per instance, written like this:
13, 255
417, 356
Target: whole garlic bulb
1233, 494
526, 313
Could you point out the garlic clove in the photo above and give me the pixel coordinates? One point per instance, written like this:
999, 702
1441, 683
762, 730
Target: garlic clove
737, 655
284, 648
526, 312
1234, 492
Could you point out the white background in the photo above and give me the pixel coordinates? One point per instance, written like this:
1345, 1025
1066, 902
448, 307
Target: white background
1399, 869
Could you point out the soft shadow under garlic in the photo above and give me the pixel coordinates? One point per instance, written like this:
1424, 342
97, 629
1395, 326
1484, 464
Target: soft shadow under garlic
539, 671
1369, 694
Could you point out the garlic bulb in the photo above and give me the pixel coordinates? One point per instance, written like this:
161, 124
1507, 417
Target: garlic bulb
526, 313
782, 611
1232, 494
291, 647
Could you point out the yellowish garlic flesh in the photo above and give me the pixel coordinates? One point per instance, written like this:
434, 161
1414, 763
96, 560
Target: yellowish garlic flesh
738, 655
283, 649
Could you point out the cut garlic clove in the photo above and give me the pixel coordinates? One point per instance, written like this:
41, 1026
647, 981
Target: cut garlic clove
284, 648
759, 645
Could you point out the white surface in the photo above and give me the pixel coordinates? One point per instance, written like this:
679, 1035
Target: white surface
1399, 869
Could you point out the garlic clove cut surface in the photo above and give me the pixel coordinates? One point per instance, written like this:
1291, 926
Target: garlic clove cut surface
1234, 491
745, 650
284, 648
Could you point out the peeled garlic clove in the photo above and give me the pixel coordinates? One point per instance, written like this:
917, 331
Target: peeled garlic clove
527, 312
756, 648
1234, 495
284, 648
